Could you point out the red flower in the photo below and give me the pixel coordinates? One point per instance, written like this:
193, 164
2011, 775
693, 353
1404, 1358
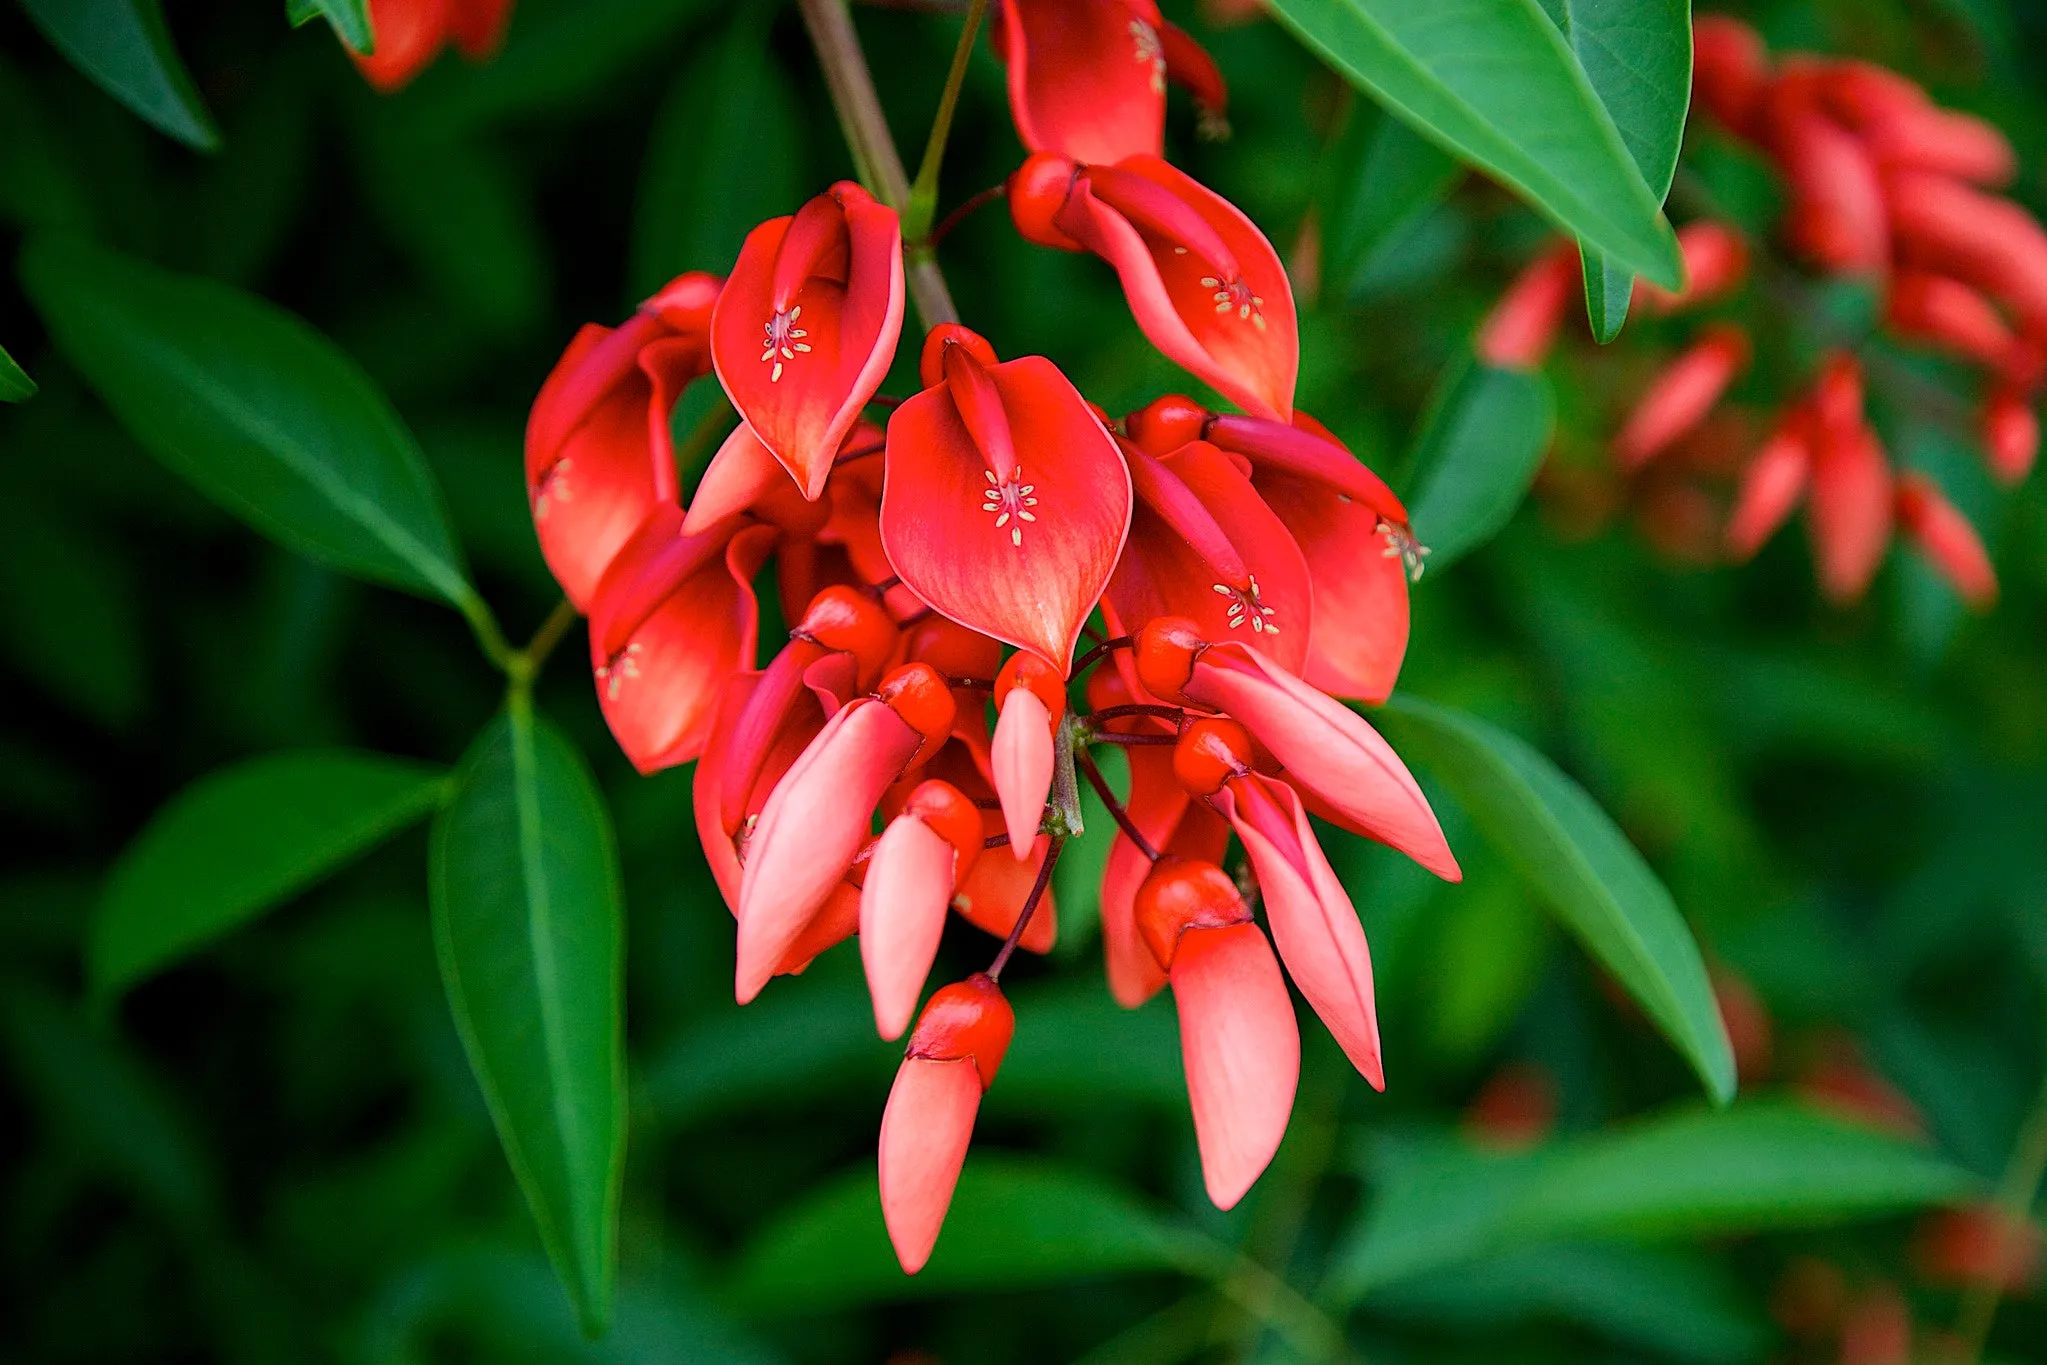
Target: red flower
1680, 397
1771, 486
1087, 78
1716, 263
2011, 434
1523, 325
599, 457
917, 864
1946, 538
411, 33
1030, 698
1945, 313
807, 325
951, 1061
1203, 283
1005, 501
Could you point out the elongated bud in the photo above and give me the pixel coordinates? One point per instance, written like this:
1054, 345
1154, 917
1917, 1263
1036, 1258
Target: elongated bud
1730, 67
1939, 311
1769, 491
1716, 263
1679, 399
1837, 394
952, 1059
2011, 435
931, 360
917, 863
1030, 699
1946, 538
1523, 326
1239, 1043
1837, 218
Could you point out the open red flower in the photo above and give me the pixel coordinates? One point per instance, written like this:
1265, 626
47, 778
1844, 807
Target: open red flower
1202, 281
1005, 501
599, 456
1087, 78
807, 326
411, 33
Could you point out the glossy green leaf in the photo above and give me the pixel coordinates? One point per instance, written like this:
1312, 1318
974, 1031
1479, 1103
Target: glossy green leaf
1638, 56
1493, 81
1383, 178
1567, 849
350, 18
1013, 1225
241, 840
726, 153
1483, 438
1686, 1174
15, 385
126, 48
529, 932
265, 415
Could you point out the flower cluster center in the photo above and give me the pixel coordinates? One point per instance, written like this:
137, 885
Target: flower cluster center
1010, 500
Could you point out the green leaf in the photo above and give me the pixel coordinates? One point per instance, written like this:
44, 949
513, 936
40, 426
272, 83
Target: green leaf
529, 933
1687, 1174
1493, 81
726, 153
1485, 435
126, 49
1638, 56
265, 415
350, 18
241, 840
1566, 848
15, 385
1013, 1225
1383, 180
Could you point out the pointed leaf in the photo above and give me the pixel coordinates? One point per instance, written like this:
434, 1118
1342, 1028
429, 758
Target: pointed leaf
350, 18
1638, 56
529, 931
1571, 853
1480, 445
1685, 1174
1493, 81
265, 415
241, 840
125, 47
15, 385
1013, 1225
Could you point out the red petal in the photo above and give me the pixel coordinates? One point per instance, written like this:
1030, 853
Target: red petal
1031, 583
995, 889
1242, 1052
924, 1136
902, 917
1848, 512
1022, 759
809, 831
409, 36
1837, 214
1327, 749
1946, 538
1770, 489
1313, 922
673, 618
1523, 325
742, 473
1680, 397
477, 26
1162, 811
1223, 342
801, 404
598, 452
1359, 580
1980, 239
1086, 78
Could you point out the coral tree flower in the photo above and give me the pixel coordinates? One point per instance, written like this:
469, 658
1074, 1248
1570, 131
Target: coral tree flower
599, 456
1679, 398
807, 326
917, 863
1946, 538
1203, 282
1005, 501
411, 33
951, 1061
1087, 78
1239, 1043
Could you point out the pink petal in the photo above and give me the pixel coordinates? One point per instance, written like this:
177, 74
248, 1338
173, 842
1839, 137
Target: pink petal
1327, 748
902, 917
924, 1136
809, 831
1242, 1052
739, 475
1022, 759
1313, 922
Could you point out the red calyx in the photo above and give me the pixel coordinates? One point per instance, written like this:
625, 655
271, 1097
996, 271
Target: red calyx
931, 360
952, 648
1182, 894
845, 619
923, 701
685, 302
1037, 190
1211, 751
1026, 670
969, 1018
1165, 424
952, 817
1164, 652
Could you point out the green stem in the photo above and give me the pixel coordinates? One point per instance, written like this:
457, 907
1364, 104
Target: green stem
1260, 1292
557, 624
490, 637
923, 203
2016, 1194
1066, 821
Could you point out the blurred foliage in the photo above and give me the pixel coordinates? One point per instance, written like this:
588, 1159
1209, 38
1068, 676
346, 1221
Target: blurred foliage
276, 1151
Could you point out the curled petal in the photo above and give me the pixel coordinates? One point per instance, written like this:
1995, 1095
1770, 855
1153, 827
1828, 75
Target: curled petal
1174, 826
925, 1132
1241, 1049
1022, 760
810, 829
1327, 749
902, 917
740, 475
1087, 78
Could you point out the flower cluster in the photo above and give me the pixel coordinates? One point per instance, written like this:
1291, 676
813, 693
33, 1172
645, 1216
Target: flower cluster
915, 746
1881, 185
